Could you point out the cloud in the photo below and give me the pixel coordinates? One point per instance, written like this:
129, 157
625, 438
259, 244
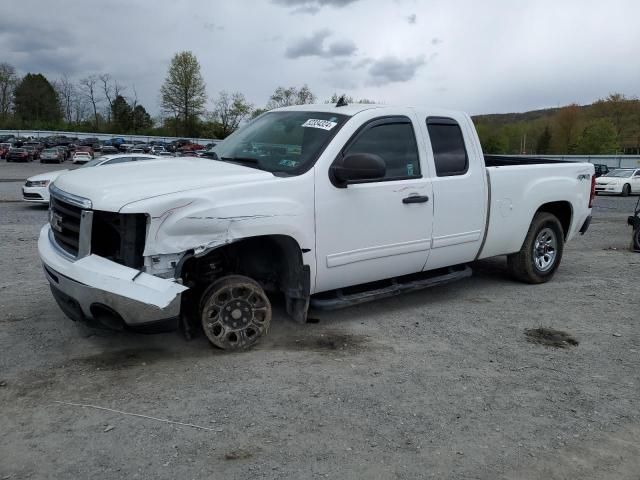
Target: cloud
312, 6
342, 48
436, 41
313, 46
212, 27
412, 19
392, 69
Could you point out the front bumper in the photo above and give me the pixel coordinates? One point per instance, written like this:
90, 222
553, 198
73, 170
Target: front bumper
91, 287
607, 188
35, 194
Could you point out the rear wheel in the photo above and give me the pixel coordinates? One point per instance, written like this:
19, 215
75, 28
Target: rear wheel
541, 252
636, 239
626, 190
235, 312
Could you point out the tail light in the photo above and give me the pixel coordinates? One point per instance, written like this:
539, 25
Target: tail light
593, 191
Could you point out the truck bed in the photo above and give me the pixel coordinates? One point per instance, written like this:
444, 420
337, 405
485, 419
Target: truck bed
506, 160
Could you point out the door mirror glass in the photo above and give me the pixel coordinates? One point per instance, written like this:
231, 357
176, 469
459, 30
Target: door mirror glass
358, 166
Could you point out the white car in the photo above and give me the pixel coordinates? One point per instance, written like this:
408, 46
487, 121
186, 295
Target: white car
81, 157
622, 181
36, 189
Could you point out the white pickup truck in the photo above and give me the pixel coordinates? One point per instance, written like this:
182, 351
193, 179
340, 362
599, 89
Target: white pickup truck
327, 205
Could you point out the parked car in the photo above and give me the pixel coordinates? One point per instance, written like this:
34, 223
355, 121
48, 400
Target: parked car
86, 149
66, 153
4, 149
109, 150
36, 188
33, 150
622, 181
332, 207
601, 169
164, 154
136, 150
19, 155
81, 157
51, 155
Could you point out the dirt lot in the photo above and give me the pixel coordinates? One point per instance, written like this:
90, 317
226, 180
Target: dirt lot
436, 384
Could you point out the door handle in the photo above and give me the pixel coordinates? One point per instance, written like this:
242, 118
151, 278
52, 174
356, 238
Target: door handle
415, 199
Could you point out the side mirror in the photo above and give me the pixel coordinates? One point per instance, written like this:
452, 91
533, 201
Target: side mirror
356, 167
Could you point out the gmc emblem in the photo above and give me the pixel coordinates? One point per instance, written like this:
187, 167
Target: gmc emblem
56, 222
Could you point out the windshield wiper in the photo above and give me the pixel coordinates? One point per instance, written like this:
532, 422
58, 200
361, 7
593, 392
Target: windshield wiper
241, 159
248, 161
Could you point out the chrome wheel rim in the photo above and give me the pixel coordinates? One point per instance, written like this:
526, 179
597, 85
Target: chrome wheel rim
236, 316
545, 249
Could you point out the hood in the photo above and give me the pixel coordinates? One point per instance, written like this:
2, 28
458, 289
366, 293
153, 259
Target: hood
51, 176
608, 180
110, 188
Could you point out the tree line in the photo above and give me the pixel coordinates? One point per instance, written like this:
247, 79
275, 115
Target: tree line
608, 126
100, 103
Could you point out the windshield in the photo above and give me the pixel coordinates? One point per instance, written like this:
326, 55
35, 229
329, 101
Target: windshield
284, 142
93, 163
619, 173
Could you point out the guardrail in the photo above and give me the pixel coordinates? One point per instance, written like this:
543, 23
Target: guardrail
101, 136
611, 161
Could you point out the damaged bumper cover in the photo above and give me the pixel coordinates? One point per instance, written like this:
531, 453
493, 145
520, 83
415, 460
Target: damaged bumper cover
90, 286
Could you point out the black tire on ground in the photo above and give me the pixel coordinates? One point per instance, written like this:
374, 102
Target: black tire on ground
636, 239
235, 312
626, 190
541, 252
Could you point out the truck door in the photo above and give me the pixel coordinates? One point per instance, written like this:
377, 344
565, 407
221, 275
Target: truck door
378, 229
459, 192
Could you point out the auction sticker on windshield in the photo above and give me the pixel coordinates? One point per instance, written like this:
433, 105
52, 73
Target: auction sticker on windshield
316, 123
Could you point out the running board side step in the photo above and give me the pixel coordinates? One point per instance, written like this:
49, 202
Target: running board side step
340, 299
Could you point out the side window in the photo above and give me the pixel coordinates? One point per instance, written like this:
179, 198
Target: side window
395, 142
449, 152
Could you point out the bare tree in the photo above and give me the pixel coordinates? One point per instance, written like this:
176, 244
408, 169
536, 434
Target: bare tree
80, 107
285, 97
89, 88
67, 93
111, 90
8, 81
229, 111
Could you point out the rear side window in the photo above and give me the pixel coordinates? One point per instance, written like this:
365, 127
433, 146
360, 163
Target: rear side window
449, 152
395, 142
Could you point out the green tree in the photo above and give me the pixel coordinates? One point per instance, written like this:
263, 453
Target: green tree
141, 119
229, 111
544, 141
599, 137
36, 102
121, 114
183, 94
567, 120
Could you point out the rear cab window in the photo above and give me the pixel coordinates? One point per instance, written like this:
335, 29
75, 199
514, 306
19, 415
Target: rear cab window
449, 150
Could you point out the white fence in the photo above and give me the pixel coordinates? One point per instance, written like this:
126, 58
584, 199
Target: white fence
101, 136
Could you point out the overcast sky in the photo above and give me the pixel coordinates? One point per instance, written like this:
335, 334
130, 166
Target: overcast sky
483, 56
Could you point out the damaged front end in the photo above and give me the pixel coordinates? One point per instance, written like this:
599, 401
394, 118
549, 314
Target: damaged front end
95, 265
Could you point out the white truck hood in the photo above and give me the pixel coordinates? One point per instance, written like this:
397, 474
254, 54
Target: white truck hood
112, 188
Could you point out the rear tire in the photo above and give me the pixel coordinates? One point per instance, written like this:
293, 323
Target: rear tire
235, 312
626, 190
541, 252
636, 239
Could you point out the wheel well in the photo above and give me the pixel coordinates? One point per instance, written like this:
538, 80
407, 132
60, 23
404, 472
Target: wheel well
562, 211
274, 261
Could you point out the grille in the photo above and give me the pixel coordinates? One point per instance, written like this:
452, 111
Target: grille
35, 196
65, 225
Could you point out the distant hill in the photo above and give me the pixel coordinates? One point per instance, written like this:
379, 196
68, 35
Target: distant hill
608, 126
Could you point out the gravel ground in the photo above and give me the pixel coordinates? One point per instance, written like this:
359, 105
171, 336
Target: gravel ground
436, 384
